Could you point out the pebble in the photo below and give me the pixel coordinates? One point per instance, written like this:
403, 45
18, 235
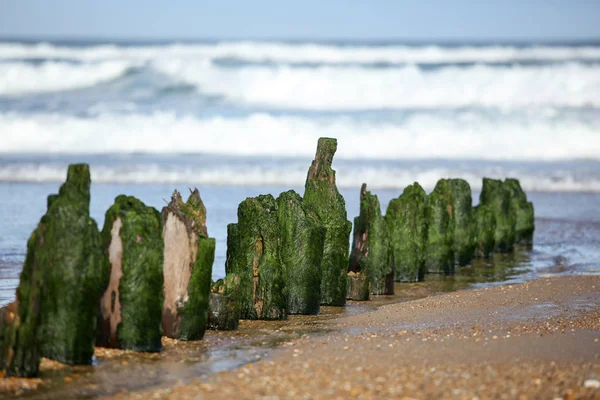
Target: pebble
591, 384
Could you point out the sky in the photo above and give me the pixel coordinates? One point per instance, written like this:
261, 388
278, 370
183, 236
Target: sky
301, 19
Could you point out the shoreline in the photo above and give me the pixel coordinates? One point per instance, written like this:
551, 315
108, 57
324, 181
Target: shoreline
539, 339
535, 339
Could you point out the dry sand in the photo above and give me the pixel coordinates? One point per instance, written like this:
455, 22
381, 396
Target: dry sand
540, 339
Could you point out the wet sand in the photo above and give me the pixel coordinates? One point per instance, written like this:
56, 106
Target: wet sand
540, 339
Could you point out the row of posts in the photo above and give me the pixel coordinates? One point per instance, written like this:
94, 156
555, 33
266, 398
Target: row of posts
147, 274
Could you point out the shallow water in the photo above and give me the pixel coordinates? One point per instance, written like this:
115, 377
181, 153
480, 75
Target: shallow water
567, 236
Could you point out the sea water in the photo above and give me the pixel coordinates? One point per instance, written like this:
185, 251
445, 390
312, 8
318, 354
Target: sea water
241, 118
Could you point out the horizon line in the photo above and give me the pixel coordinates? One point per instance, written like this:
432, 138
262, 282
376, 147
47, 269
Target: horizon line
77, 38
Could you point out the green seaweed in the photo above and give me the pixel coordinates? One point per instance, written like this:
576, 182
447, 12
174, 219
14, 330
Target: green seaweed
322, 197
189, 320
60, 284
301, 241
495, 195
523, 212
370, 245
140, 288
224, 305
253, 254
439, 213
406, 222
74, 277
463, 242
484, 225
194, 313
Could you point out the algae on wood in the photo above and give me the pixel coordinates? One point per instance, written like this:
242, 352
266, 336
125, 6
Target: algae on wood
358, 286
19, 347
497, 197
522, 211
187, 268
463, 242
253, 254
405, 219
131, 307
224, 304
322, 196
55, 311
484, 226
370, 246
439, 256
74, 275
301, 240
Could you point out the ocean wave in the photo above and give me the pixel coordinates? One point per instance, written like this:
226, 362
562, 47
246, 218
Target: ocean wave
328, 88
304, 52
325, 88
17, 78
531, 135
293, 174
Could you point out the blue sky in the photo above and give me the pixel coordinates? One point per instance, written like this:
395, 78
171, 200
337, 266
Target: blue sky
319, 19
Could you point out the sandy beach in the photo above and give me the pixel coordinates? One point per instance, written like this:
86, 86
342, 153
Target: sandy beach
540, 339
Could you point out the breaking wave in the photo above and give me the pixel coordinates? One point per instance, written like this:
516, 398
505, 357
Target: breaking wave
534, 135
17, 78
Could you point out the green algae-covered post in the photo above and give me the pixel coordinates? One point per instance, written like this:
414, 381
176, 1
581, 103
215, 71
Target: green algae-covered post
55, 311
19, 349
439, 256
74, 275
405, 219
131, 306
253, 254
321, 196
187, 267
301, 240
358, 282
497, 197
224, 304
484, 226
522, 211
358, 286
463, 242
370, 247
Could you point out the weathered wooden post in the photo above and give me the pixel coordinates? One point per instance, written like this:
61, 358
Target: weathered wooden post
439, 255
131, 306
463, 242
253, 254
55, 311
406, 222
370, 257
187, 268
523, 212
484, 226
301, 241
497, 197
224, 304
321, 196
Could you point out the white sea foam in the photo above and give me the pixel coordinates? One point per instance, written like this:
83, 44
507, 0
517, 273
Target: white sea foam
457, 135
293, 175
334, 88
20, 78
305, 52
331, 88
